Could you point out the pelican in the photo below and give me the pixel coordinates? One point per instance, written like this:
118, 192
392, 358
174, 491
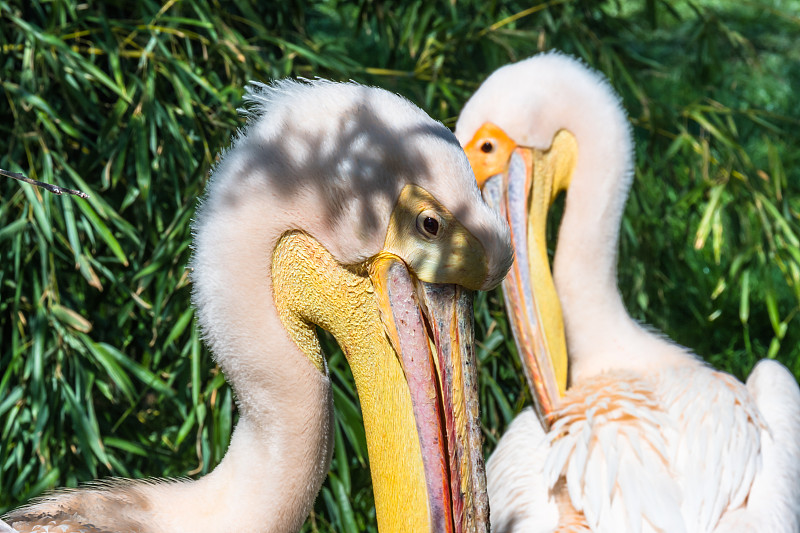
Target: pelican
647, 438
348, 208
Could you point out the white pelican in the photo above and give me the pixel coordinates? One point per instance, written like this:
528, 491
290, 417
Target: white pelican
647, 437
337, 206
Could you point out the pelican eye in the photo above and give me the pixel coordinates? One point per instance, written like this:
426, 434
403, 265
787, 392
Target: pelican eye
429, 224
487, 147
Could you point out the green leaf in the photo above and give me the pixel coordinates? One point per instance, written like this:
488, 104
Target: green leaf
87, 427
70, 318
744, 298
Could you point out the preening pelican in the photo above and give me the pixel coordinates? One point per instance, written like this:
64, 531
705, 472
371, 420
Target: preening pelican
647, 437
348, 208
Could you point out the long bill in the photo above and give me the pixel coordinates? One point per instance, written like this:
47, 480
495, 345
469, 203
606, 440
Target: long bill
523, 194
431, 330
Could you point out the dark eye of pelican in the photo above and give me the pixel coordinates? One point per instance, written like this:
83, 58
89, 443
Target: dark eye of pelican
428, 223
487, 147
431, 225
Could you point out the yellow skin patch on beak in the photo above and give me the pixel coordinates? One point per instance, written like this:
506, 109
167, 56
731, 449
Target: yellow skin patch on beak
549, 173
312, 288
436, 247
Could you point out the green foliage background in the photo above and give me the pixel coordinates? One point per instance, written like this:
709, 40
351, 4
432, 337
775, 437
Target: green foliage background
101, 370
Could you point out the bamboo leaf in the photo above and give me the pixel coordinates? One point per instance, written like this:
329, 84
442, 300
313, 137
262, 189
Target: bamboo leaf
744, 298
70, 318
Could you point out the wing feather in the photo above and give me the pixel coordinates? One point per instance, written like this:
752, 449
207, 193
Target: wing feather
608, 443
717, 444
773, 501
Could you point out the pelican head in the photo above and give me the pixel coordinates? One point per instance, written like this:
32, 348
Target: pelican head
364, 219
520, 131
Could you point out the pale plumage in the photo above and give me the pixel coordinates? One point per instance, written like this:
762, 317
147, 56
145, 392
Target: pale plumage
648, 437
308, 221
519, 496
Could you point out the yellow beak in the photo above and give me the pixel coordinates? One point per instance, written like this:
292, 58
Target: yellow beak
522, 183
410, 348
430, 328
